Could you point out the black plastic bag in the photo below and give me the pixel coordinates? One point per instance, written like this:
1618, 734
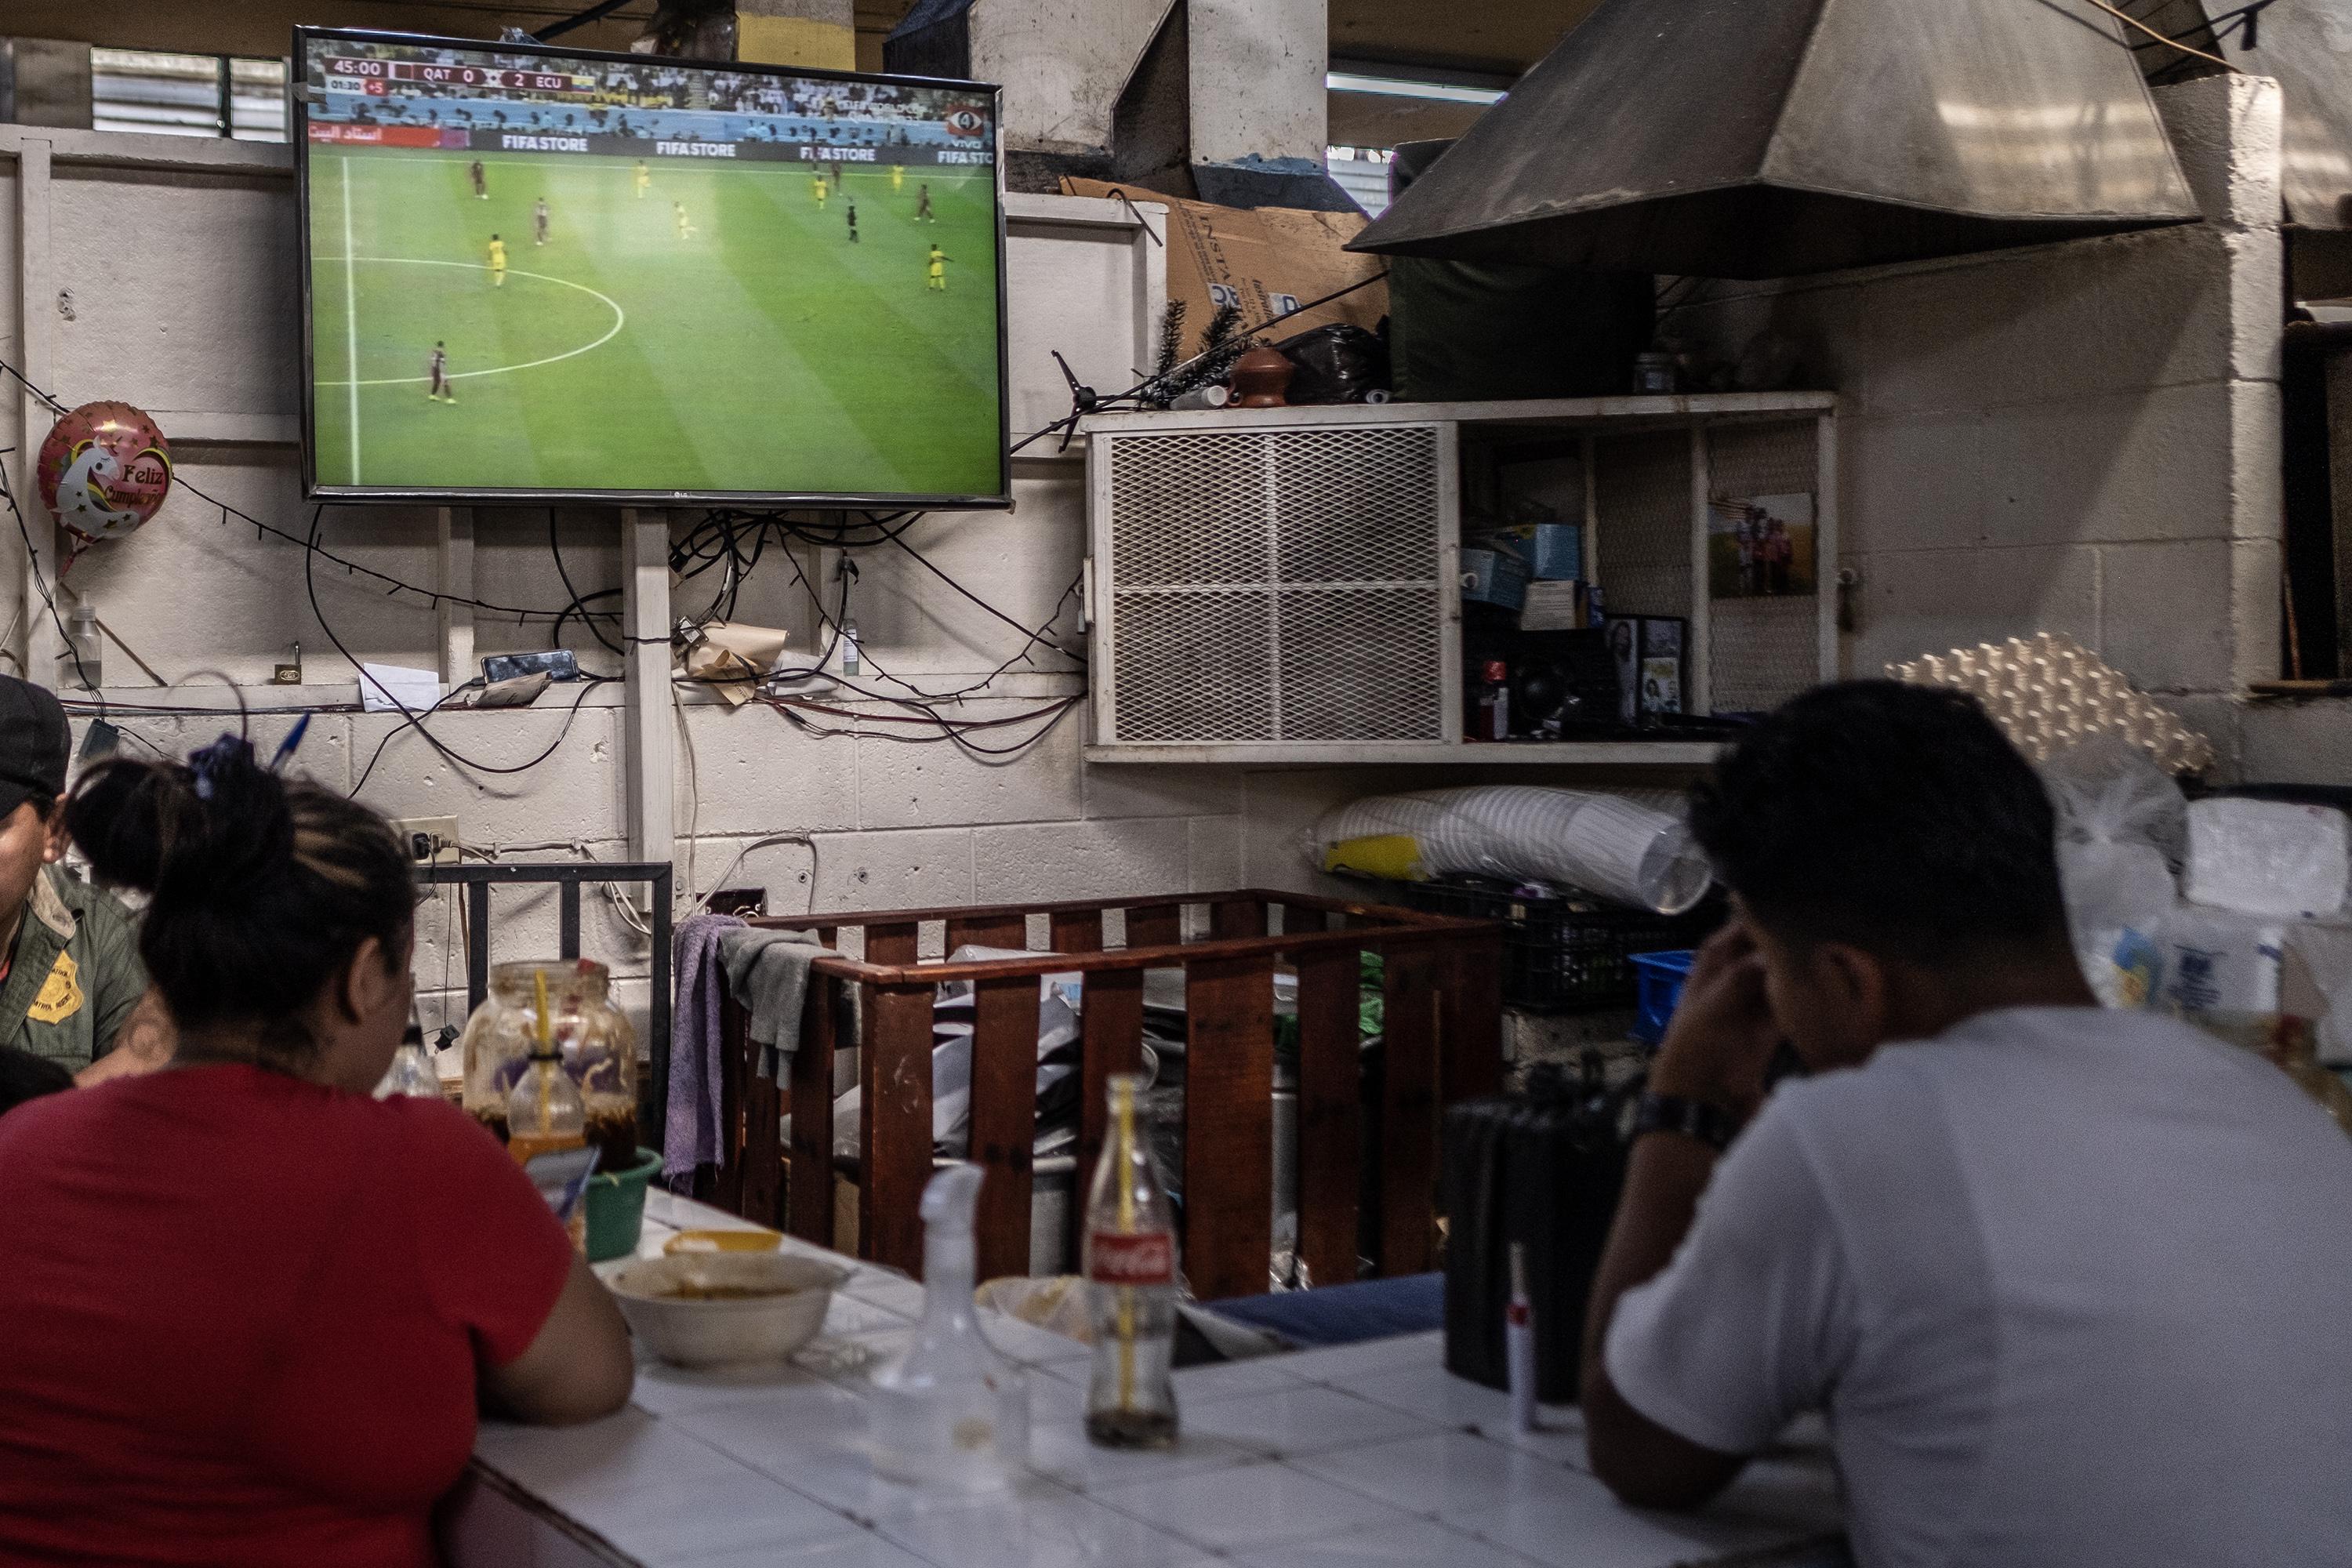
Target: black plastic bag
1338, 363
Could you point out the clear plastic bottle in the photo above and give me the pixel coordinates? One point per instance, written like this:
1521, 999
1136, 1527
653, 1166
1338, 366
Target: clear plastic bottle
1131, 1267
545, 1114
412, 1072
951, 1412
82, 663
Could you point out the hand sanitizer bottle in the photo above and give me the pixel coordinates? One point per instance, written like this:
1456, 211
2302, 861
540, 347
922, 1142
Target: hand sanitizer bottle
951, 1412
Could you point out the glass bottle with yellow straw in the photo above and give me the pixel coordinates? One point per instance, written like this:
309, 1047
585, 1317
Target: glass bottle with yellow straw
544, 1112
1130, 1266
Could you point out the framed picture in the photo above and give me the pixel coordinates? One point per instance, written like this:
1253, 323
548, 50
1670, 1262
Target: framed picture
1662, 664
1760, 548
1625, 637
1647, 651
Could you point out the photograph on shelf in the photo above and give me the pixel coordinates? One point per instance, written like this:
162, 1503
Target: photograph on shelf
1760, 547
1662, 664
1647, 651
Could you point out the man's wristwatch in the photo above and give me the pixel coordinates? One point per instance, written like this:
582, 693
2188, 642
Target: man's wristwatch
1710, 1123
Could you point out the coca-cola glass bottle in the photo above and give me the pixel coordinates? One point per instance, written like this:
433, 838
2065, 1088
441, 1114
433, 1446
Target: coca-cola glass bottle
1130, 1264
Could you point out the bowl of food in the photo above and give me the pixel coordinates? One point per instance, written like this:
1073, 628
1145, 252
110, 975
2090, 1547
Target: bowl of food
724, 1309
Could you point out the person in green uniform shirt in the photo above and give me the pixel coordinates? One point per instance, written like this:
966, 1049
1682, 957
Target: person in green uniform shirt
72, 989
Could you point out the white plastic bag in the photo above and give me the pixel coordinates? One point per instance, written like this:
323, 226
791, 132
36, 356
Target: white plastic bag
2120, 826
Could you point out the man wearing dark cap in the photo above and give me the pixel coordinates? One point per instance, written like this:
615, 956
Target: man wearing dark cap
70, 979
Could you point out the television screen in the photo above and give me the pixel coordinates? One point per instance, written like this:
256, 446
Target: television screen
538, 274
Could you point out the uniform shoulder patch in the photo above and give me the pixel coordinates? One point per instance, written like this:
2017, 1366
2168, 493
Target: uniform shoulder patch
61, 994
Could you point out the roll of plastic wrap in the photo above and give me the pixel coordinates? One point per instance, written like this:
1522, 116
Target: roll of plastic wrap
1620, 846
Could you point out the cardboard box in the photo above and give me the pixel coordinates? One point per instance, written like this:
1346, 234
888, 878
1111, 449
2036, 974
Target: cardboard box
1492, 577
1551, 551
1556, 551
1267, 261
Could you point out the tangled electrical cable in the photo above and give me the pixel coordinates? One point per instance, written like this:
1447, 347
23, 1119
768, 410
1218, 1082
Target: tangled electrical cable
737, 540
1085, 400
734, 540
410, 719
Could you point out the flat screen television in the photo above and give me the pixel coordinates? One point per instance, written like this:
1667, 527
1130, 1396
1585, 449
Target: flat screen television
535, 274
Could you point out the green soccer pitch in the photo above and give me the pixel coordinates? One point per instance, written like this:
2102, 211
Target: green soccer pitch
757, 350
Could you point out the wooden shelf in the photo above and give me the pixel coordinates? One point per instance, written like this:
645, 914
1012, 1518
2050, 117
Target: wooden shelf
1533, 753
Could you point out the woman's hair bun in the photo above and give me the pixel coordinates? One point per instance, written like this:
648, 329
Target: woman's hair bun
195, 830
265, 889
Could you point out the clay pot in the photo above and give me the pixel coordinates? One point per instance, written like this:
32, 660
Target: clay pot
1260, 377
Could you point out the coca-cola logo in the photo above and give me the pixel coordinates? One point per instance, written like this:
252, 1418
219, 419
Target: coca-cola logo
1114, 1259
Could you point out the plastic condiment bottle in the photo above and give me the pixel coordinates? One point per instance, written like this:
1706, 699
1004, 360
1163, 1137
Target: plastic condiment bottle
544, 1113
951, 1412
1519, 1344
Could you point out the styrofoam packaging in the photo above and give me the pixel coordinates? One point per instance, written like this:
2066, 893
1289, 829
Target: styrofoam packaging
2268, 856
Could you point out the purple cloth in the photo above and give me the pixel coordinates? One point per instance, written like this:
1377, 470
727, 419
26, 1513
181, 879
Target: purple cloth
691, 1134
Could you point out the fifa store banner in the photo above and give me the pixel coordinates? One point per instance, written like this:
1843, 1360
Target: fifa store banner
449, 139
453, 101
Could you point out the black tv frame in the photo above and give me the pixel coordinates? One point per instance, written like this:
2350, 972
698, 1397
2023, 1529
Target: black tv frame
312, 489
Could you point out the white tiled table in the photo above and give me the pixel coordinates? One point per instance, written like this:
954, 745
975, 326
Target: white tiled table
1365, 1455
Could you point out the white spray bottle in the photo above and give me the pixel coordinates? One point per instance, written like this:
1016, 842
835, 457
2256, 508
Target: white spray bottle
951, 1412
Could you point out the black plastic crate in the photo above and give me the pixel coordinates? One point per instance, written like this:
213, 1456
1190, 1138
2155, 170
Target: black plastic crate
1563, 955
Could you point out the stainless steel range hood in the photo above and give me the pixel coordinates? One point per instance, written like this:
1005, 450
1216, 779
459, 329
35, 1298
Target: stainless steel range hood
1767, 138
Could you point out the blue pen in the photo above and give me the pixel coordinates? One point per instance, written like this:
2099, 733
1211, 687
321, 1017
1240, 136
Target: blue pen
293, 738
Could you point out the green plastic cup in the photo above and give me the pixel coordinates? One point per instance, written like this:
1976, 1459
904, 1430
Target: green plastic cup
617, 1206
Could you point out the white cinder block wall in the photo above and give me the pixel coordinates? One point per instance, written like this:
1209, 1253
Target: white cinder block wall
198, 322
2080, 438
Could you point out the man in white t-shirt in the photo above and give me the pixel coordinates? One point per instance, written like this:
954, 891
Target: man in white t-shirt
2073, 1287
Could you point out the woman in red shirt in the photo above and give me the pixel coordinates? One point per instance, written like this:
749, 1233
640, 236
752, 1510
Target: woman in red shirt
245, 1309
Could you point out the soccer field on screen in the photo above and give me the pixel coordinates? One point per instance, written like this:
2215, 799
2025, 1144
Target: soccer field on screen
755, 347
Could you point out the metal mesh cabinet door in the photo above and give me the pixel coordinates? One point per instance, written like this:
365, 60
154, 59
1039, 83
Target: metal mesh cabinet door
1271, 585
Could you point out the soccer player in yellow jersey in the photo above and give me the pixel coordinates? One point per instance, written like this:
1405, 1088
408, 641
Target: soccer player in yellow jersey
498, 262
898, 177
823, 190
643, 178
939, 270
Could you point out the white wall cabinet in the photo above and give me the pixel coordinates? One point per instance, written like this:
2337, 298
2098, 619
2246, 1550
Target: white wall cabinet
1284, 585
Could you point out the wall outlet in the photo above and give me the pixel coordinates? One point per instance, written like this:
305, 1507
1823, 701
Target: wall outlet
430, 840
746, 902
